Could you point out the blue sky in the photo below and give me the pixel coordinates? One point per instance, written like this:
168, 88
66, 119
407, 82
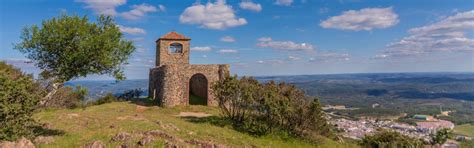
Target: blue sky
275, 37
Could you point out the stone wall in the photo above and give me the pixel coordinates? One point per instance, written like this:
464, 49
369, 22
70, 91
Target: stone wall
170, 83
163, 57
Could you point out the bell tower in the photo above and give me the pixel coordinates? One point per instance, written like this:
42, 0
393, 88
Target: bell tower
172, 48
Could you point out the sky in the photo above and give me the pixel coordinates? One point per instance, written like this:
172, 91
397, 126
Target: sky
274, 37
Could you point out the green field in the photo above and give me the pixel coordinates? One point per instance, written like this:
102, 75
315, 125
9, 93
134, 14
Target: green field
76, 127
465, 129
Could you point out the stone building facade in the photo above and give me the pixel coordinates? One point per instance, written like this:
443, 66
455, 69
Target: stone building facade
173, 80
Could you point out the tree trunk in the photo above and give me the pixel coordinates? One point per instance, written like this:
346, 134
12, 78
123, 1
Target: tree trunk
51, 93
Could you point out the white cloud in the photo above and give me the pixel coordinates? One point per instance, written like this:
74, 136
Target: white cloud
285, 45
284, 2
142, 50
106, 7
162, 8
248, 5
330, 57
131, 30
293, 58
203, 48
270, 61
216, 15
138, 11
447, 35
364, 19
138, 39
227, 51
228, 39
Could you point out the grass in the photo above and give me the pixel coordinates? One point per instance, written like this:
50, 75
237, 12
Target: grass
81, 126
465, 129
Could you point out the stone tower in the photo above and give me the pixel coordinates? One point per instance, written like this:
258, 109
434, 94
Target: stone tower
173, 81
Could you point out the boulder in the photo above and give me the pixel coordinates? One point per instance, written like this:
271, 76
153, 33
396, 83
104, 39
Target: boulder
146, 140
95, 144
44, 140
7, 144
122, 136
20, 143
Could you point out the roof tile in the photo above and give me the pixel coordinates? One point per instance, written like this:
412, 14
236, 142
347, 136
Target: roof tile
174, 36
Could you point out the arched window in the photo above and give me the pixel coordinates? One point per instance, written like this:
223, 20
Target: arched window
175, 48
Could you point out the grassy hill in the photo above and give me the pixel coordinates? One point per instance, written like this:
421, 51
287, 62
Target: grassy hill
76, 127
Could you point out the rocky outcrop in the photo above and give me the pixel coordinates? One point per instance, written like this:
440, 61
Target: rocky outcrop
44, 140
20, 143
122, 136
95, 144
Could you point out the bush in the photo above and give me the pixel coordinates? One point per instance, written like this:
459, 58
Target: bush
388, 138
68, 97
131, 94
109, 98
266, 108
441, 136
19, 97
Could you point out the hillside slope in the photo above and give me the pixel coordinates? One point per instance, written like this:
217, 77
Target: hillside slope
77, 127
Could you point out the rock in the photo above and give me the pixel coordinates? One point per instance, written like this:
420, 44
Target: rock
190, 133
20, 143
146, 140
170, 126
205, 144
112, 126
124, 145
47, 125
200, 143
122, 136
72, 115
44, 140
164, 135
219, 146
95, 144
7, 144
170, 145
158, 122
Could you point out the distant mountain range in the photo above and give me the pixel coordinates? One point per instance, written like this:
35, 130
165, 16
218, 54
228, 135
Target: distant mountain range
406, 85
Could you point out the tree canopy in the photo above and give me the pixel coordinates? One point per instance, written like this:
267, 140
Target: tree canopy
68, 47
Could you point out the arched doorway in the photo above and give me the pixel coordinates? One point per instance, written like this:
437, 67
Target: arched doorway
198, 89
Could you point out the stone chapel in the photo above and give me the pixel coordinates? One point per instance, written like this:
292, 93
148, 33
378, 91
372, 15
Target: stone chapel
174, 81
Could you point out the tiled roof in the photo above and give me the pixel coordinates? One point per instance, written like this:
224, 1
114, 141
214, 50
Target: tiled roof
174, 36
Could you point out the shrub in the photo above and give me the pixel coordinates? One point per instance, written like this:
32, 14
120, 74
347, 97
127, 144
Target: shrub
265, 108
109, 98
19, 97
131, 94
388, 138
68, 97
441, 136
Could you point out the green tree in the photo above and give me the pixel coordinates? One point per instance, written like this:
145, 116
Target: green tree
388, 138
441, 136
19, 96
68, 47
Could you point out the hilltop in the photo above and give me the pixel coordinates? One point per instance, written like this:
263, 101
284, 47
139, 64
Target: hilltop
195, 125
